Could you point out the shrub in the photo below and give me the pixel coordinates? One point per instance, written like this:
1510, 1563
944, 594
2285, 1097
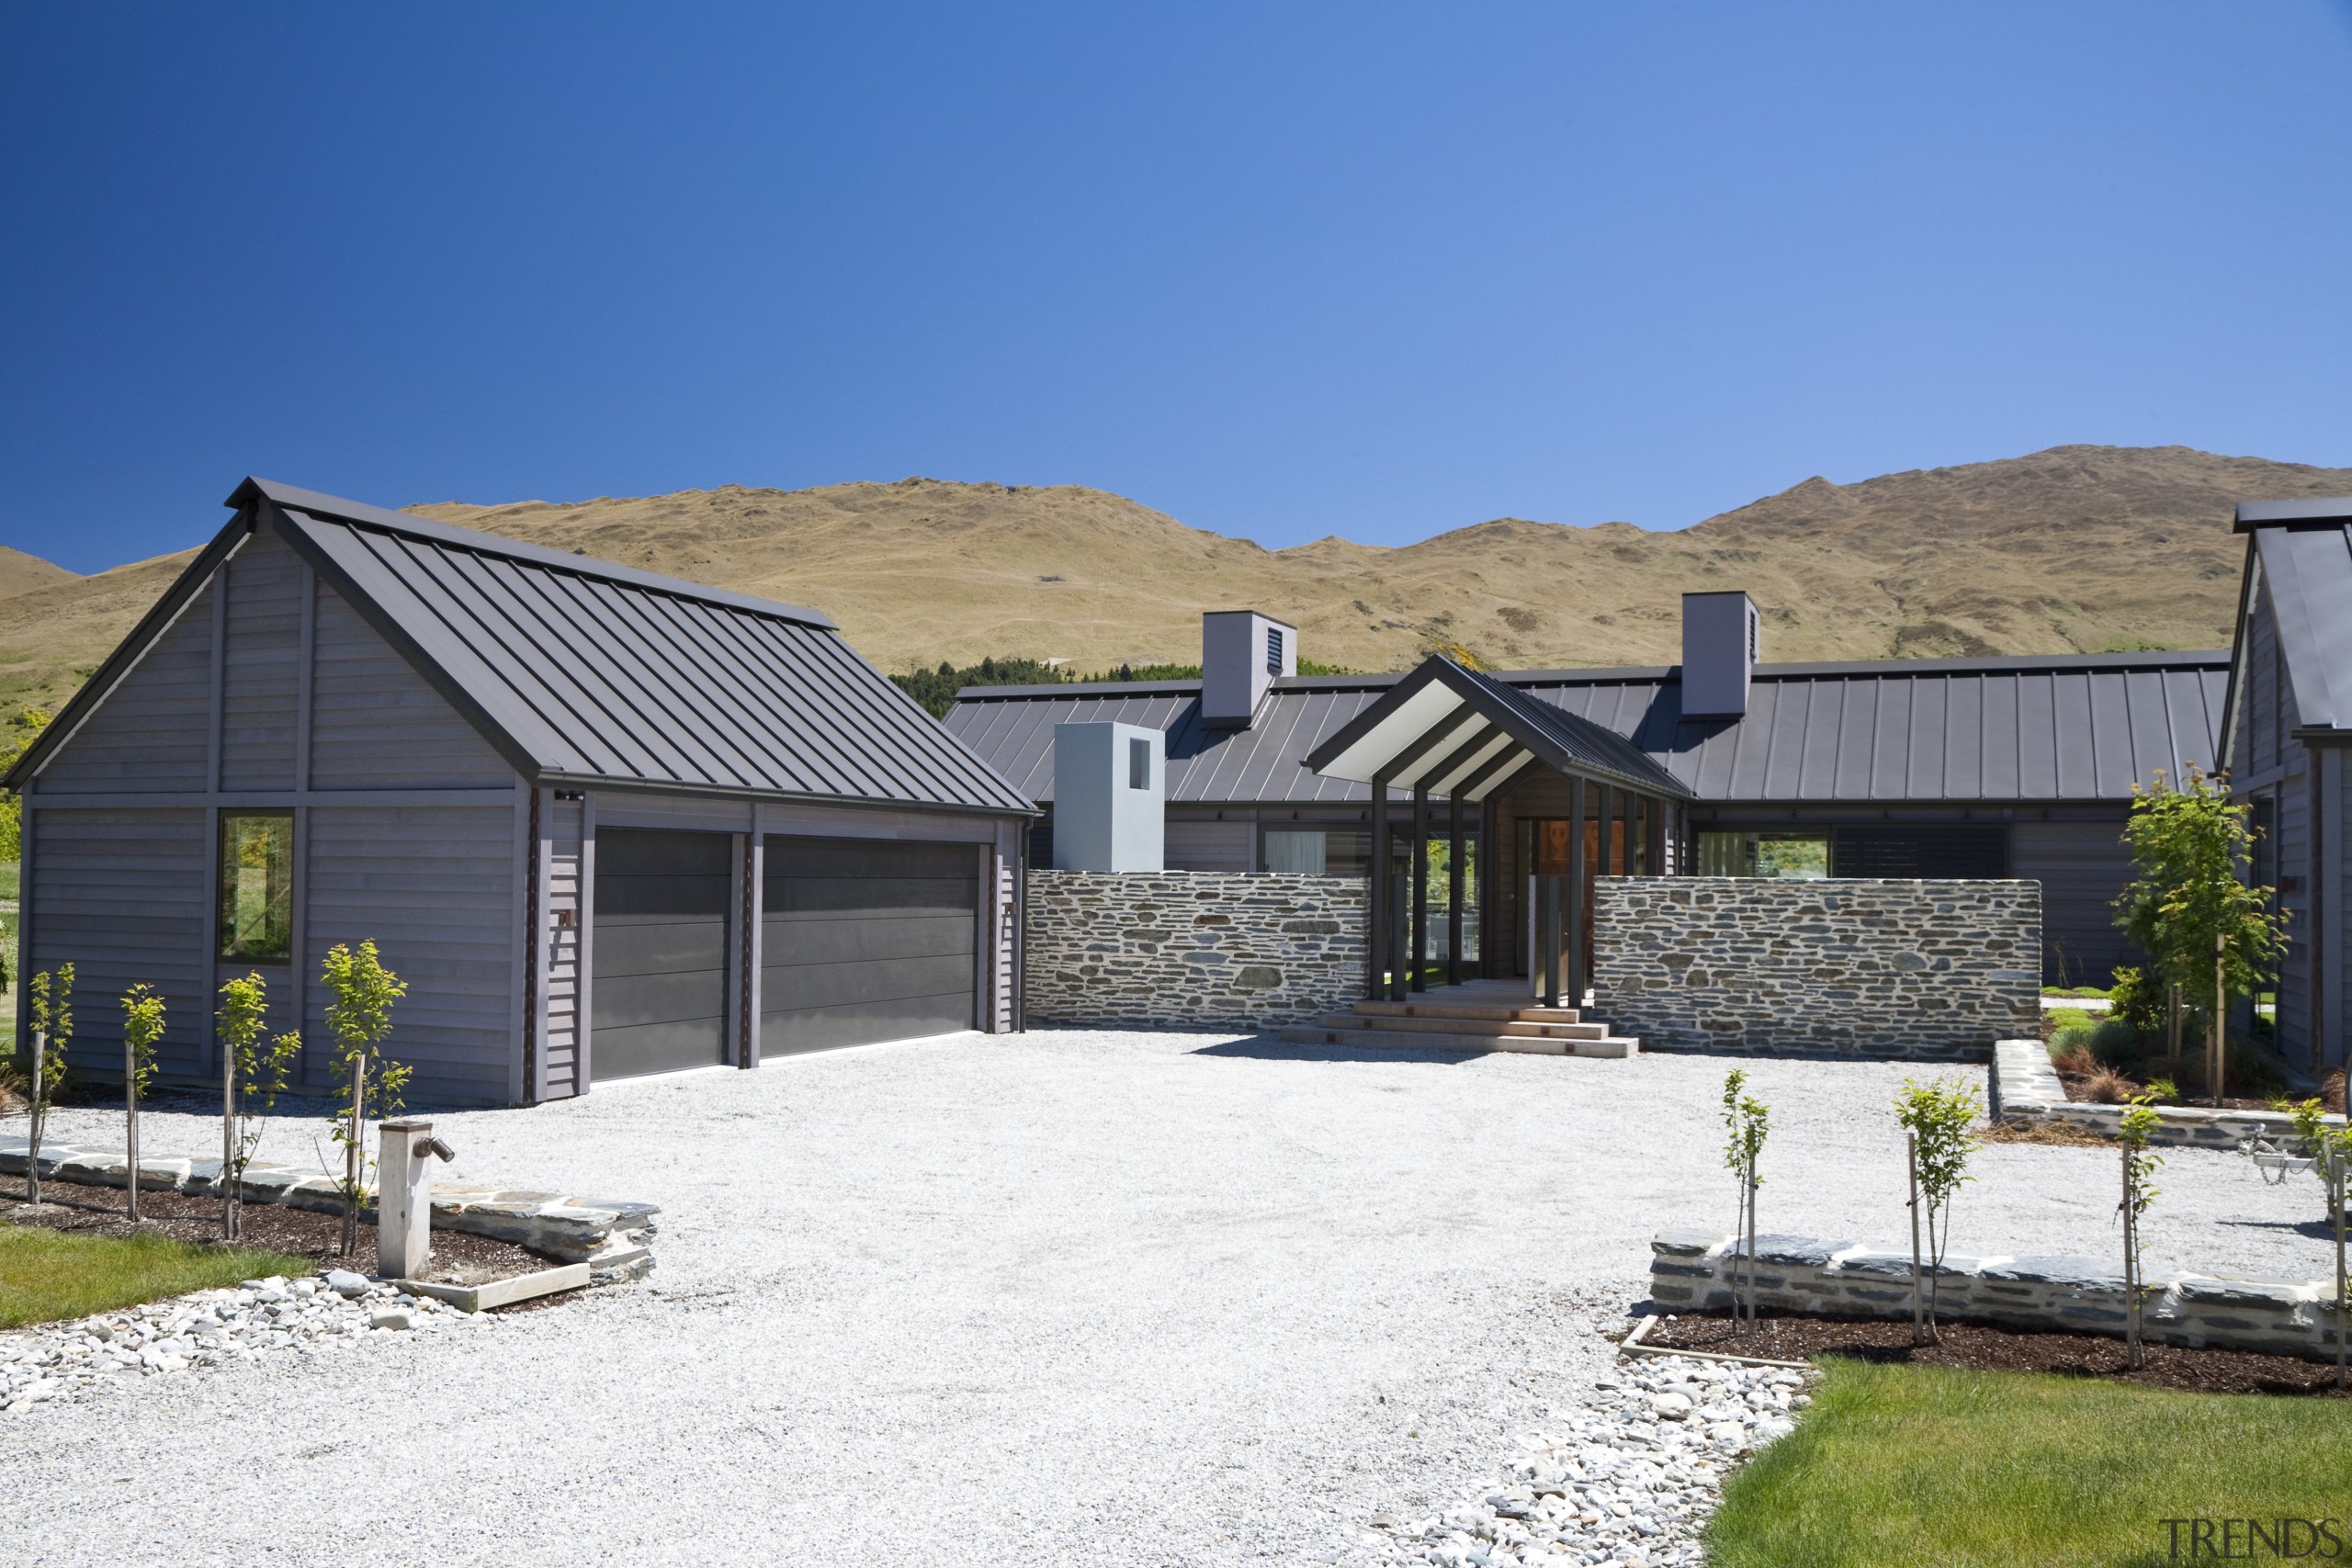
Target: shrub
2139, 1001
2108, 1087
2076, 1061
2115, 1042
2163, 1091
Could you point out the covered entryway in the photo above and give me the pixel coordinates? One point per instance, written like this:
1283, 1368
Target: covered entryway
866, 940
660, 957
1561, 800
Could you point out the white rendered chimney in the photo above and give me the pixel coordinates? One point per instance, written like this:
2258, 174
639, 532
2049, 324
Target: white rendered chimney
1242, 654
1720, 634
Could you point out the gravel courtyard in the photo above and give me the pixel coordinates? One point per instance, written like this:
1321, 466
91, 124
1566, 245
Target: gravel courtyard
1070, 1297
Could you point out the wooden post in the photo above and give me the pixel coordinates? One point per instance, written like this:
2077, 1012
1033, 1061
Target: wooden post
404, 1200
351, 1154
2336, 1188
36, 1121
1918, 1310
1453, 883
228, 1141
2132, 1356
130, 1127
1419, 944
1577, 937
1376, 909
2216, 1048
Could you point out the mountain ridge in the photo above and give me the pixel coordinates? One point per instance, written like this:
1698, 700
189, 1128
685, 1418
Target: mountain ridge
2075, 548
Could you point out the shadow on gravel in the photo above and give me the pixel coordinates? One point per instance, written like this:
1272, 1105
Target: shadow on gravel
2318, 1230
1264, 1049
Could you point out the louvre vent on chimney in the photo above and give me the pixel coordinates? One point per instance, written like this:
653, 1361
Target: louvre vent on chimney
1243, 653
1720, 642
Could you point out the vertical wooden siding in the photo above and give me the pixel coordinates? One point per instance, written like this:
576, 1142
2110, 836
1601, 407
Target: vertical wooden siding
563, 919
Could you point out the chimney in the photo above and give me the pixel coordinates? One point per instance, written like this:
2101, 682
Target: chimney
1719, 648
1242, 652
1109, 797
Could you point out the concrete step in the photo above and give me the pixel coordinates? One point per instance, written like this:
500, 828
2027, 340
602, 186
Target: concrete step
1475, 1044
1495, 1026
1513, 1013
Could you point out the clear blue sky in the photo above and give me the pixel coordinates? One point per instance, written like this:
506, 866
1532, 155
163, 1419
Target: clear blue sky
1279, 269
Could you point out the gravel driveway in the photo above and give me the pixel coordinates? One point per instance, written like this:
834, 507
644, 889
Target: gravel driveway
1070, 1297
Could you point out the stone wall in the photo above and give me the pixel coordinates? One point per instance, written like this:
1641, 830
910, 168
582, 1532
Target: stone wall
2028, 1090
1691, 1269
1864, 968
1240, 951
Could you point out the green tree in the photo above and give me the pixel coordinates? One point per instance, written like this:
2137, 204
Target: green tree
50, 1014
360, 1016
2206, 933
23, 730
1746, 1122
2331, 1151
142, 1027
252, 1078
1939, 1121
2140, 1166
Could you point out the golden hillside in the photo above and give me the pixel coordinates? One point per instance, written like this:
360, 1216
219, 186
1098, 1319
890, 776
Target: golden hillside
2075, 548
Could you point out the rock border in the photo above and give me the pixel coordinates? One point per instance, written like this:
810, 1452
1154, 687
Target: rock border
2027, 1088
612, 1238
1691, 1270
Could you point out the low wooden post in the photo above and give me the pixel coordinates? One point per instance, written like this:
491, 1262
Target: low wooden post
404, 1197
36, 1121
352, 1154
1918, 1311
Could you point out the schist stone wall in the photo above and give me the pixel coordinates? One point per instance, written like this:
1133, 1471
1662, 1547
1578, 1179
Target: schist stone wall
1862, 968
1192, 947
1692, 1269
2027, 1089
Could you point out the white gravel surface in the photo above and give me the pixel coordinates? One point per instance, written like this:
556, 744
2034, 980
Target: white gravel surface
1072, 1297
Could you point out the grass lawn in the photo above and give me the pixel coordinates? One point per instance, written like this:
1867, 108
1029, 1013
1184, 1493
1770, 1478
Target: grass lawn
46, 1275
1932, 1465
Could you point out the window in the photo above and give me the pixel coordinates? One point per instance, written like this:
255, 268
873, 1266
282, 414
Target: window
1273, 650
1785, 856
258, 887
1138, 764
1300, 852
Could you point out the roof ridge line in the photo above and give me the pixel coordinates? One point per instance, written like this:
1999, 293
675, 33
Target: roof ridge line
336, 509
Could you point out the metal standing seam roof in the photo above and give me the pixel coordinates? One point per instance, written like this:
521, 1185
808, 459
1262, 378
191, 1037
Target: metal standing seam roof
2058, 728
2304, 551
582, 670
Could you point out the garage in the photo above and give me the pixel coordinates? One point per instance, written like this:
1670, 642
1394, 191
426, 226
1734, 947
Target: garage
659, 964
866, 939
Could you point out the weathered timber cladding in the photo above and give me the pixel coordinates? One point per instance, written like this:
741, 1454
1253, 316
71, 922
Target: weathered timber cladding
1691, 1269
1862, 968
1192, 947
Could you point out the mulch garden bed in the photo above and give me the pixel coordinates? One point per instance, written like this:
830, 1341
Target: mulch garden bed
1797, 1337
2081, 1088
458, 1258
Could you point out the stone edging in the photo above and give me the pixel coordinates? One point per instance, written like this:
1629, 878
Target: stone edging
1691, 1269
2027, 1088
614, 1238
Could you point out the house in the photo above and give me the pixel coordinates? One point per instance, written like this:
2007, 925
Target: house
1990, 767
603, 823
2289, 719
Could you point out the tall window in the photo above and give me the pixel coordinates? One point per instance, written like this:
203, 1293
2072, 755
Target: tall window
1138, 764
258, 887
1273, 650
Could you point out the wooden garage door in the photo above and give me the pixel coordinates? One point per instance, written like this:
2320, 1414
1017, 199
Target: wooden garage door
660, 952
866, 939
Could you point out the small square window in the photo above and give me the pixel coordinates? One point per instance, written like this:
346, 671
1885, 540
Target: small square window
1138, 764
257, 916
